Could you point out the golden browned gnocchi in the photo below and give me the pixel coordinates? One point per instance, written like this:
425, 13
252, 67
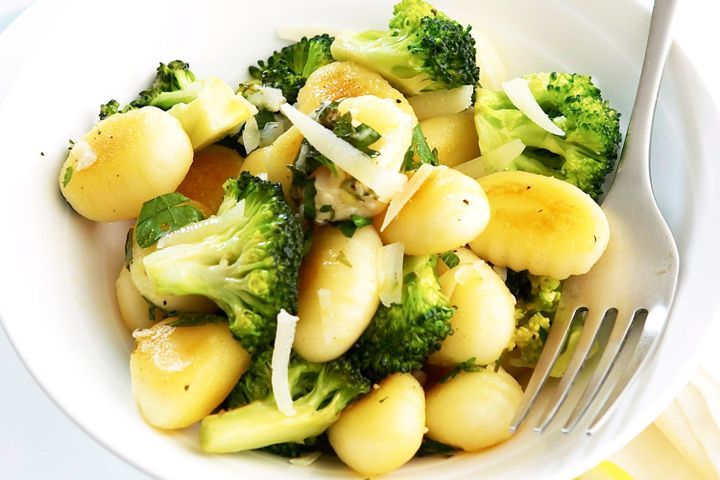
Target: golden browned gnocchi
274, 159
211, 167
338, 292
181, 374
448, 210
541, 224
124, 161
135, 311
484, 321
454, 136
339, 80
383, 430
473, 410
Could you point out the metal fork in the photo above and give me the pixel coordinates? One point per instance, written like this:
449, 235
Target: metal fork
634, 282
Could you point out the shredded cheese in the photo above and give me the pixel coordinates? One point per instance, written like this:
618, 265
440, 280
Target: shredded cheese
251, 135
284, 338
390, 273
370, 171
493, 161
404, 195
520, 95
305, 460
441, 102
204, 228
84, 155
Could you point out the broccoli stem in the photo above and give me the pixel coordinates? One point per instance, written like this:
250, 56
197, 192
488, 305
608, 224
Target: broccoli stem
260, 423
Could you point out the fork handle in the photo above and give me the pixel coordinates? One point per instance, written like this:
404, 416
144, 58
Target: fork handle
637, 141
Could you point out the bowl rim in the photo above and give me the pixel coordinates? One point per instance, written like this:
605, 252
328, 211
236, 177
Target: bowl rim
40, 13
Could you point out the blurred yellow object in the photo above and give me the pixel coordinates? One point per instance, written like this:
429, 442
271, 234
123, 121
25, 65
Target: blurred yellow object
605, 471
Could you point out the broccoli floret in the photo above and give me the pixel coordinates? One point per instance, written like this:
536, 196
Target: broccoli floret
289, 68
207, 109
583, 157
319, 391
423, 51
537, 299
400, 337
174, 83
246, 259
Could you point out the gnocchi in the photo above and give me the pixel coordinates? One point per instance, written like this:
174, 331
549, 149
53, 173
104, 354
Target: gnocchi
448, 210
181, 374
210, 168
484, 321
454, 136
339, 293
541, 224
123, 161
274, 159
383, 430
473, 410
339, 80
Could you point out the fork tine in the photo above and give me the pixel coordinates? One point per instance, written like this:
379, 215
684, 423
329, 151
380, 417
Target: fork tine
587, 338
553, 345
617, 340
651, 330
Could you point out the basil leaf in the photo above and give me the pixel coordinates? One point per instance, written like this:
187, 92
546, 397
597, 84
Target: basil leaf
67, 176
450, 259
162, 215
348, 227
264, 117
419, 149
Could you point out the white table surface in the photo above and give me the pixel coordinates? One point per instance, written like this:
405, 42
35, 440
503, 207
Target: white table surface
37, 441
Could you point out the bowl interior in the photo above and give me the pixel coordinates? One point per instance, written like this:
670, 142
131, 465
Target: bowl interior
57, 297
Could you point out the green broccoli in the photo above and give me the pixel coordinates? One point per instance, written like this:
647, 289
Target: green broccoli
173, 83
537, 300
319, 391
423, 51
583, 157
289, 68
400, 337
246, 259
207, 109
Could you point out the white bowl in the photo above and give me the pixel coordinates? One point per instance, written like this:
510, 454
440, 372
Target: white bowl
62, 59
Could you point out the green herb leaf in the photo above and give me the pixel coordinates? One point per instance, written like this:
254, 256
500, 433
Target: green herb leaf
360, 137
264, 117
450, 259
162, 215
419, 149
432, 447
466, 366
129, 249
348, 227
67, 176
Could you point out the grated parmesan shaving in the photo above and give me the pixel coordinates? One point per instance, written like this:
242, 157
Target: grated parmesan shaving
84, 155
520, 95
370, 171
305, 460
284, 338
404, 195
251, 135
390, 273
